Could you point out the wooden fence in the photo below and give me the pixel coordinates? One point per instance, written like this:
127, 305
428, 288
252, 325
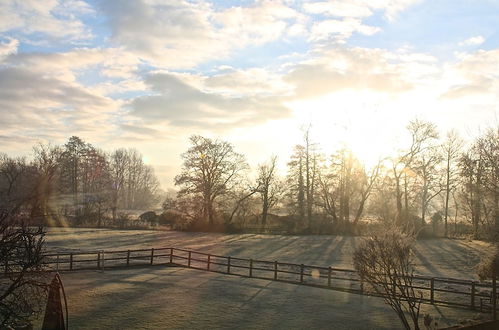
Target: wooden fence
435, 290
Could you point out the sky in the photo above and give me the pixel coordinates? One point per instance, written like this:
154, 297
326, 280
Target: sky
147, 74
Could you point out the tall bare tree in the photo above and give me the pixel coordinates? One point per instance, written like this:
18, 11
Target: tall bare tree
451, 149
425, 166
421, 132
210, 169
472, 171
296, 182
310, 175
268, 187
488, 147
47, 161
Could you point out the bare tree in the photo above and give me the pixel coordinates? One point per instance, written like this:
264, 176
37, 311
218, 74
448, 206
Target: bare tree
133, 183
21, 246
210, 169
472, 171
488, 147
421, 133
118, 165
367, 184
385, 263
310, 175
296, 182
451, 149
47, 162
425, 166
268, 187
345, 186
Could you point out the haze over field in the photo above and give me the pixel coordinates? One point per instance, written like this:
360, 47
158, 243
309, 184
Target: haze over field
318, 142
147, 74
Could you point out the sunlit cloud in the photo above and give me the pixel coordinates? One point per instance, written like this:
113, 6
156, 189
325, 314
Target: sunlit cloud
58, 19
181, 34
473, 41
149, 73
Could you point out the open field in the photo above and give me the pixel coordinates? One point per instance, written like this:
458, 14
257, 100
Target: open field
178, 298
435, 257
169, 297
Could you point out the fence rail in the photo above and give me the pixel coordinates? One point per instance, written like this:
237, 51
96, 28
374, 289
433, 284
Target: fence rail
435, 290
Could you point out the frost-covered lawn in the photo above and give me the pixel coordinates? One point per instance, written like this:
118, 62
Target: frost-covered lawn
435, 257
163, 297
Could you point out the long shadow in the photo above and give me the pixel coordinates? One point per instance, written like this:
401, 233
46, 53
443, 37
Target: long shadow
426, 263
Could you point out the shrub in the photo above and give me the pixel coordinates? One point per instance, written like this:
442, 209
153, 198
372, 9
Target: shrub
385, 263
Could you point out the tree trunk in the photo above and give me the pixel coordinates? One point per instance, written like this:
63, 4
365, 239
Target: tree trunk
447, 195
399, 199
406, 199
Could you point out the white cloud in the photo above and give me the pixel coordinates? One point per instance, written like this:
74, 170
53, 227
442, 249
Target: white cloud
475, 73
180, 103
340, 30
347, 69
339, 8
253, 81
473, 41
358, 8
112, 62
52, 18
35, 104
181, 34
8, 47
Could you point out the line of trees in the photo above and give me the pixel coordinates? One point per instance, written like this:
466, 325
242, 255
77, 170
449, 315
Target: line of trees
76, 180
432, 184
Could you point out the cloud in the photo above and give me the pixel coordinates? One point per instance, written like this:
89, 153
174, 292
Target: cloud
8, 47
181, 34
358, 8
473, 41
475, 73
252, 81
343, 69
57, 19
338, 8
46, 106
112, 62
340, 30
181, 104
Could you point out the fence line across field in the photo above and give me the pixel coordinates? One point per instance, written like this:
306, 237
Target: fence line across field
436, 290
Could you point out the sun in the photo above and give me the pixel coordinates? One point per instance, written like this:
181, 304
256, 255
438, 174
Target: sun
352, 120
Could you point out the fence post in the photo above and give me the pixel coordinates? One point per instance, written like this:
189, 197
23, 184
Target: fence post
103, 259
128, 258
301, 273
171, 255
251, 268
228, 265
329, 276
208, 263
432, 292
189, 260
57, 263
98, 260
275, 270
71, 261
473, 295
152, 256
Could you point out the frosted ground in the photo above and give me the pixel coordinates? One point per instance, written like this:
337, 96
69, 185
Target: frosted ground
170, 297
